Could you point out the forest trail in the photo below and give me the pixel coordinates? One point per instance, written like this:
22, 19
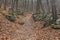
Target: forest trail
30, 30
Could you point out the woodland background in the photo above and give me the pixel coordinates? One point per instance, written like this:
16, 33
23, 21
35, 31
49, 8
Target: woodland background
29, 19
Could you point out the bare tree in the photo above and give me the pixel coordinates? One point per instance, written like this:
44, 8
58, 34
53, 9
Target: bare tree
5, 2
27, 5
54, 11
0, 3
24, 4
48, 6
12, 8
16, 1
38, 6
31, 5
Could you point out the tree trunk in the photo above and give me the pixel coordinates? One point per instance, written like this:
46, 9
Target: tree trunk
5, 2
28, 5
48, 6
16, 6
31, 5
54, 11
12, 7
0, 3
38, 6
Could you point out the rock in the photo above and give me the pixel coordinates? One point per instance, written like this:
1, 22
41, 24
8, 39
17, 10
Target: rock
10, 18
56, 26
58, 21
36, 17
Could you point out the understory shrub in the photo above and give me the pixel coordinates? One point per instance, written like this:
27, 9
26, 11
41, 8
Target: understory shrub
19, 12
10, 11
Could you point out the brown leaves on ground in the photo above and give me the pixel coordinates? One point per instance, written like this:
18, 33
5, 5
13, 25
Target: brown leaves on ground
30, 30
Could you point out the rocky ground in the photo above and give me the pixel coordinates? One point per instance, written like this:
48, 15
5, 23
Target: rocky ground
25, 28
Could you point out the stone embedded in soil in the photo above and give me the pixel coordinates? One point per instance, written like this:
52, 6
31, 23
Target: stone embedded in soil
56, 26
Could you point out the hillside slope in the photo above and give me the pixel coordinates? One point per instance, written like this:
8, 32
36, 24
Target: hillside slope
29, 30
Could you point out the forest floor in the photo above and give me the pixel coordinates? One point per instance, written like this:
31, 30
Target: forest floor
25, 28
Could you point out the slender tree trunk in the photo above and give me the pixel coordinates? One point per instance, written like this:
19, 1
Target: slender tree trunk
48, 6
54, 11
0, 3
16, 6
25, 5
28, 5
31, 5
12, 7
5, 2
38, 6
